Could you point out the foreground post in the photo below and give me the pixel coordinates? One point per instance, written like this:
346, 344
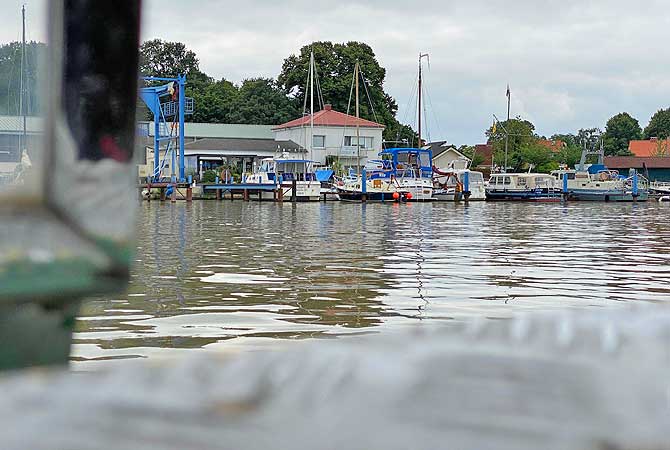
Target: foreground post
466, 186
364, 185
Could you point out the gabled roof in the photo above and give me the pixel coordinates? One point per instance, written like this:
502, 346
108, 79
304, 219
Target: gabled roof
628, 162
440, 147
330, 118
651, 147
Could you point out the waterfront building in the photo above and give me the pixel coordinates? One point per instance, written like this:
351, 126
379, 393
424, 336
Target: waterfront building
654, 168
213, 145
333, 136
11, 129
447, 156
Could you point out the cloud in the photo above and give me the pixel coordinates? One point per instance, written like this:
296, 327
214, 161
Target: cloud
570, 64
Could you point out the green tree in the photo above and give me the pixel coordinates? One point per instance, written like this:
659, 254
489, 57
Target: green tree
262, 101
659, 125
335, 66
160, 58
571, 151
214, 102
476, 159
619, 131
10, 77
521, 136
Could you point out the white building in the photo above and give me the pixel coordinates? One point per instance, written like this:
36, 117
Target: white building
334, 136
445, 156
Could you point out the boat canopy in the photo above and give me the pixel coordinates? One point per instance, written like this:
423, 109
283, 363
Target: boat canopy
417, 157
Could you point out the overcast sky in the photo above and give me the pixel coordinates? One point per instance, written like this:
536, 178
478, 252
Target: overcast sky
570, 64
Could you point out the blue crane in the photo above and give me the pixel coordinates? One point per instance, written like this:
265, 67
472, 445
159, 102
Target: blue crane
175, 108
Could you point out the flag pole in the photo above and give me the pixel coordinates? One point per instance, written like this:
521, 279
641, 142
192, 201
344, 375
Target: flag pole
506, 133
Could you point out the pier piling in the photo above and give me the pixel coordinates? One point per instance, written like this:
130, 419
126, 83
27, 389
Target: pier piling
294, 193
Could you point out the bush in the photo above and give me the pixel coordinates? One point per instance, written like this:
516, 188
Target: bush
209, 176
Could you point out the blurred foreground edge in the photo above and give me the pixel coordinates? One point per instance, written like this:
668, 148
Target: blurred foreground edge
586, 380
72, 236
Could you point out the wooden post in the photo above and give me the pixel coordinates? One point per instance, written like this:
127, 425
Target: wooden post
294, 191
280, 194
232, 195
189, 194
245, 195
260, 195
162, 194
173, 195
218, 194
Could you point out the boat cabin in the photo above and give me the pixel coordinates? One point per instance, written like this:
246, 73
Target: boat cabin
405, 163
521, 181
287, 169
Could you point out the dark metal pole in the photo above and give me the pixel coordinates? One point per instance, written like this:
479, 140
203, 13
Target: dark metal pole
23, 80
506, 132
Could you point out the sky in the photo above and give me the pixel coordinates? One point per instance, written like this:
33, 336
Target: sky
569, 64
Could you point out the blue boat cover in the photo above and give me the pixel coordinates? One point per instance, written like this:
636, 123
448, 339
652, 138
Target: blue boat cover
324, 175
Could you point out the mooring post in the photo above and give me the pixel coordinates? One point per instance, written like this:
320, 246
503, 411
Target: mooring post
173, 194
635, 185
294, 191
466, 186
162, 194
364, 185
566, 194
280, 194
189, 189
245, 195
260, 195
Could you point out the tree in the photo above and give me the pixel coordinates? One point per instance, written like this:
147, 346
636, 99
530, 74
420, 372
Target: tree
521, 136
476, 159
214, 101
262, 101
10, 77
619, 131
659, 125
335, 67
168, 59
571, 151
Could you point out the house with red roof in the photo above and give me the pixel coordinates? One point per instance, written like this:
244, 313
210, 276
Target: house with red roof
650, 147
333, 136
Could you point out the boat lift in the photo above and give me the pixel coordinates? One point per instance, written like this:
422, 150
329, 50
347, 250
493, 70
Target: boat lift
176, 109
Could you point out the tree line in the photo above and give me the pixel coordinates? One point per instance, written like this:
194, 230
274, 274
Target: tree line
10, 77
527, 149
262, 100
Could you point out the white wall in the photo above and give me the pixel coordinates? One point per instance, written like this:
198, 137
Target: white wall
334, 141
444, 160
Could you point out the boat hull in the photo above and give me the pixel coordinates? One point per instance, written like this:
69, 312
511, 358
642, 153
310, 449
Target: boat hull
526, 195
593, 195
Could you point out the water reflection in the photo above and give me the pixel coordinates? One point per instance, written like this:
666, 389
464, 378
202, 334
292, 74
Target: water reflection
229, 274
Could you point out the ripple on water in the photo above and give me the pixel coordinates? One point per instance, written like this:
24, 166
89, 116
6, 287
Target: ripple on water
250, 272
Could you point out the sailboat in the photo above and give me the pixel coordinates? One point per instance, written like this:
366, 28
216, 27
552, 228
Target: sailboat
402, 174
286, 171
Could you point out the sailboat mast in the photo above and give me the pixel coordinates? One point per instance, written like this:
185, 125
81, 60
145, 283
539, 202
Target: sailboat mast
22, 107
358, 130
311, 102
419, 120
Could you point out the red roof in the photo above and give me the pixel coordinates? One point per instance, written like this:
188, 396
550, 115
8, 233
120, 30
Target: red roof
651, 147
554, 146
486, 150
331, 118
628, 162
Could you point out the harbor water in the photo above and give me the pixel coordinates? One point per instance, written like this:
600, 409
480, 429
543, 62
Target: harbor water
239, 276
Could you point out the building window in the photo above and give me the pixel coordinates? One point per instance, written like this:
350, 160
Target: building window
318, 141
366, 141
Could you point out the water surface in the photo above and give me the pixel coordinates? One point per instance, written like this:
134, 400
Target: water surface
230, 276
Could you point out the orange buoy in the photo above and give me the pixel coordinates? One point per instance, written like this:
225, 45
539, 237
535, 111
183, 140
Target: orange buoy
396, 196
409, 196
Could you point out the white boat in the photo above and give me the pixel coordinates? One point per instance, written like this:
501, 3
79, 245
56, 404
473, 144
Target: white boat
523, 186
282, 172
449, 184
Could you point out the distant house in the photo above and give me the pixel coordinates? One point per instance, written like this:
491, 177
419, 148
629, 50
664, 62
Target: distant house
656, 168
650, 147
486, 151
447, 156
334, 135
554, 145
11, 130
